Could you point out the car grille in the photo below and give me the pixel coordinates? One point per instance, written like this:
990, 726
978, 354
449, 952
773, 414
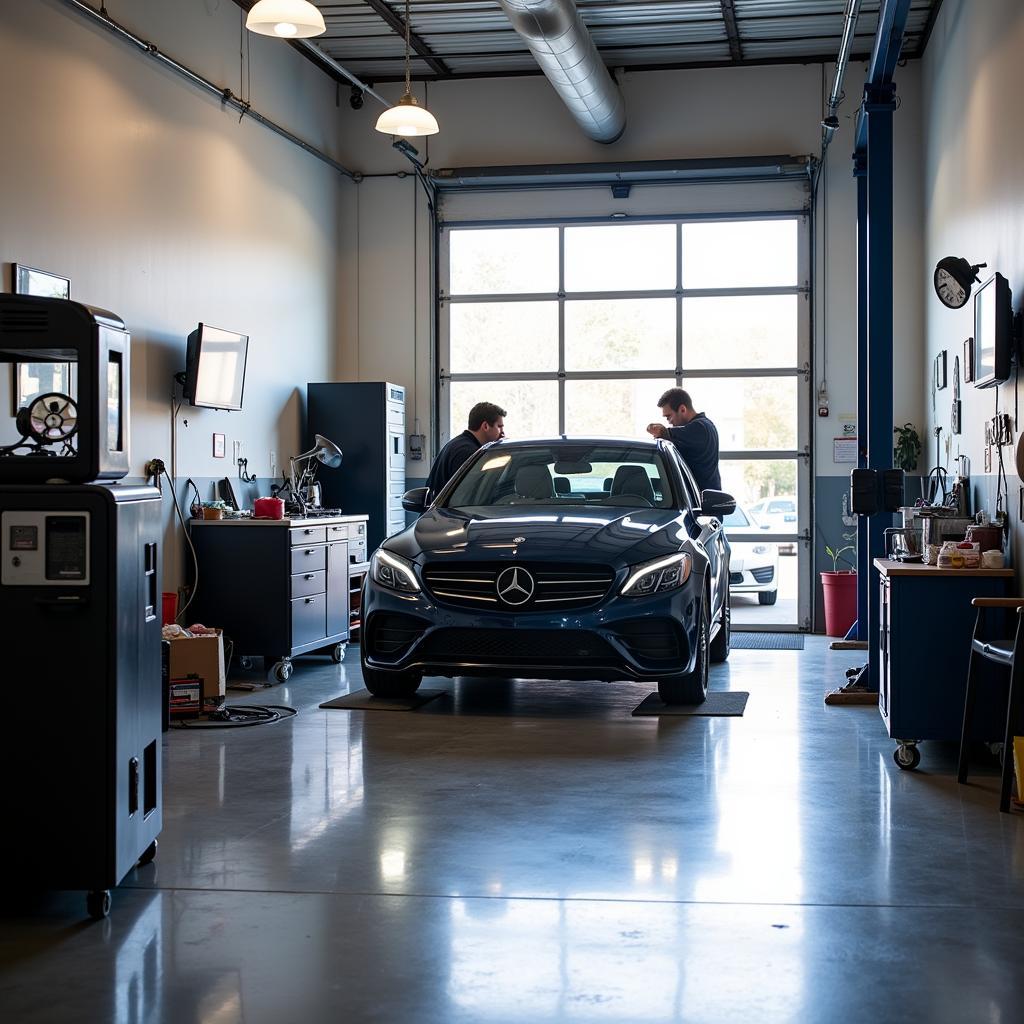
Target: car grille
651, 640
557, 586
520, 646
764, 575
735, 577
390, 635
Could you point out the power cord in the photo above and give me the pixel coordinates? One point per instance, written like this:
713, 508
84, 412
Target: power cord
234, 716
155, 470
243, 472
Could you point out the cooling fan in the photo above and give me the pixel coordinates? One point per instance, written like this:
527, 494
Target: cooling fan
49, 419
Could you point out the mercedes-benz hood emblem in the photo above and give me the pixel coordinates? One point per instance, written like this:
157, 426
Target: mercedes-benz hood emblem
515, 585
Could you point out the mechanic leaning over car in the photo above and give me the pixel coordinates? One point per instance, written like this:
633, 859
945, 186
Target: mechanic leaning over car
693, 434
486, 423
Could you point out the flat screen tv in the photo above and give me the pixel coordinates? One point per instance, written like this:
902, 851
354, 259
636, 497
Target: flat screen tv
215, 368
993, 332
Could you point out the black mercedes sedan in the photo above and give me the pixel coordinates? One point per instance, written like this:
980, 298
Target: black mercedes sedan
555, 559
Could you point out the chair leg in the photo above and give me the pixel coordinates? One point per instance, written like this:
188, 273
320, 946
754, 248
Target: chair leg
969, 698
1013, 710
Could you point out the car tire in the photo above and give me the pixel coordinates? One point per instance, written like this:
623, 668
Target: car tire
768, 597
719, 650
391, 684
692, 687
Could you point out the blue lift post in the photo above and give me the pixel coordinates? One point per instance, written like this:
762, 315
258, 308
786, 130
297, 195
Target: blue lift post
873, 169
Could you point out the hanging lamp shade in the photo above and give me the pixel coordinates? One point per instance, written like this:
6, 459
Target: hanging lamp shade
407, 118
288, 19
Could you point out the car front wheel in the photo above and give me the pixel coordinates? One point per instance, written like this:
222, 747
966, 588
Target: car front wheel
768, 597
390, 684
691, 688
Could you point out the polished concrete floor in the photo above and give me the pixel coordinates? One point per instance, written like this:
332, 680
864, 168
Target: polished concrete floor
528, 852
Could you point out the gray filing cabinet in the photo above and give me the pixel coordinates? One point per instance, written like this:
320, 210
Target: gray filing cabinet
366, 419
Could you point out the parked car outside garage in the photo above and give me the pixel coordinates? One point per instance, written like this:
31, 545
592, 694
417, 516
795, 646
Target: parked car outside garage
779, 514
753, 565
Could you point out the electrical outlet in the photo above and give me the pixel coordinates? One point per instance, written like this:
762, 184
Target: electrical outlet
273, 465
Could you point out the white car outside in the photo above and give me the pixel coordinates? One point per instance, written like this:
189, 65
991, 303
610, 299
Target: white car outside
753, 565
778, 514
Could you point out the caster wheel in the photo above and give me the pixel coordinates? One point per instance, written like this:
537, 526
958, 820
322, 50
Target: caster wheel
907, 756
281, 672
148, 854
338, 654
97, 903
246, 662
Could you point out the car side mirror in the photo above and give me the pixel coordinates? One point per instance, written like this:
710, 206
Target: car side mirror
716, 503
415, 500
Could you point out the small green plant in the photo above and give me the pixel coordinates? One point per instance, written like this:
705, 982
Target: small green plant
907, 447
837, 554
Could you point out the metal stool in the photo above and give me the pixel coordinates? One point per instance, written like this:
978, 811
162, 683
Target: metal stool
1009, 653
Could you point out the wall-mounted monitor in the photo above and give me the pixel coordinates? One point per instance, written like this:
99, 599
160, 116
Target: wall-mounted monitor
215, 368
993, 332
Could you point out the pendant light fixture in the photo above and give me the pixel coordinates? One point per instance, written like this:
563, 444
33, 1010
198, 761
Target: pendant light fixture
407, 117
288, 19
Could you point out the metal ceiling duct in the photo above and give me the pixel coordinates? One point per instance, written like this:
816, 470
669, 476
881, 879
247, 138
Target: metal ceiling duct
558, 39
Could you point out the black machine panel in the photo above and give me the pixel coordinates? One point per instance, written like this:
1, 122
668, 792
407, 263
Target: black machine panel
366, 420
67, 368
83, 768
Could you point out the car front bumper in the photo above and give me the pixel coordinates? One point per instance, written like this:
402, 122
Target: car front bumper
642, 638
758, 579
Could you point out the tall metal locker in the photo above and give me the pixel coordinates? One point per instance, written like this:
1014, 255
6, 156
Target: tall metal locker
366, 420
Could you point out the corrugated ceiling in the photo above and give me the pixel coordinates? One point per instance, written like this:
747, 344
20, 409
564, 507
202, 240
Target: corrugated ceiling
473, 38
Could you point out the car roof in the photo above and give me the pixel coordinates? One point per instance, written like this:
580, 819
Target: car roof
566, 439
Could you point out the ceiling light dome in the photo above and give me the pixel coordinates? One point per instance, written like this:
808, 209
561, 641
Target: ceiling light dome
287, 19
407, 118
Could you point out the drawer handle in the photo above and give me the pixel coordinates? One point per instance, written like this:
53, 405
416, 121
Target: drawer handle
309, 575
309, 600
307, 532
308, 551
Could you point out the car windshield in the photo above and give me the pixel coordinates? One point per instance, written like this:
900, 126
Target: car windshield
566, 474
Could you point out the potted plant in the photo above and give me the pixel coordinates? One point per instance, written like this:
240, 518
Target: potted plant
839, 588
214, 509
907, 447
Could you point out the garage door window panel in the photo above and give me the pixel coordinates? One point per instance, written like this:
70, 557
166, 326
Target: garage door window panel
620, 258
504, 261
741, 254
751, 413
532, 405
741, 332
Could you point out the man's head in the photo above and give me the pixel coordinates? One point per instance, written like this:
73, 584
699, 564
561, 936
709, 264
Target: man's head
487, 421
676, 407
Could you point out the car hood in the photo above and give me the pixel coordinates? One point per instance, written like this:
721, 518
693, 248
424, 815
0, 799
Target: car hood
611, 536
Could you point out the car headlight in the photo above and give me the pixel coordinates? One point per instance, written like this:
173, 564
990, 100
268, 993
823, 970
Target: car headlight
393, 572
658, 576
760, 549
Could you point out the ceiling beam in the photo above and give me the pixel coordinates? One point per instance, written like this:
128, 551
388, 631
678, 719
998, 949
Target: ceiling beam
926, 33
397, 25
731, 29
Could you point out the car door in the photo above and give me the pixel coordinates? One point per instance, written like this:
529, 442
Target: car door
711, 535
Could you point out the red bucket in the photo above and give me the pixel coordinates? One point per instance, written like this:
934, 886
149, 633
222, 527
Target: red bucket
840, 592
170, 608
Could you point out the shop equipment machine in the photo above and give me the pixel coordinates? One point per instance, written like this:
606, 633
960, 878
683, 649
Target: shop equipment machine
79, 597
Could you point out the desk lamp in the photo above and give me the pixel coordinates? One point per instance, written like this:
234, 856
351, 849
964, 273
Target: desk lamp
325, 452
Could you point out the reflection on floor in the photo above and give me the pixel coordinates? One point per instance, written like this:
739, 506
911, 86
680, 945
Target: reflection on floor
522, 851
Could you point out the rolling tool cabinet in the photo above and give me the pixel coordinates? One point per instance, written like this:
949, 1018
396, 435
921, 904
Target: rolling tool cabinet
925, 627
279, 588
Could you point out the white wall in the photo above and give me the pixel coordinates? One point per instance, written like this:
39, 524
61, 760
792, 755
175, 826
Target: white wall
160, 206
671, 115
974, 193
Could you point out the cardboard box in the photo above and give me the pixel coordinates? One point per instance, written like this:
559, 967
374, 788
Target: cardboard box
201, 656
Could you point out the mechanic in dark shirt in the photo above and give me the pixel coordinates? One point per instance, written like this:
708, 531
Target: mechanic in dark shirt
693, 434
486, 423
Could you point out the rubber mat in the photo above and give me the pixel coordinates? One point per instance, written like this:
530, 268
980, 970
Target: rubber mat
767, 641
363, 700
728, 703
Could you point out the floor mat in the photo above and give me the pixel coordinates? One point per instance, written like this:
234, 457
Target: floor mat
726, 703
767, 641
363, 700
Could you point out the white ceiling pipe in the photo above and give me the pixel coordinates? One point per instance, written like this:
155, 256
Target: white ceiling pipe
558, 39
